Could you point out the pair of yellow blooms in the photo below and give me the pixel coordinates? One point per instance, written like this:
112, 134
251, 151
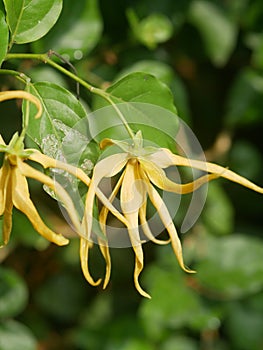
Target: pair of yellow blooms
141, 171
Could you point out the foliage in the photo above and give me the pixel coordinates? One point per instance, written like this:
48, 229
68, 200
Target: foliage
201, 59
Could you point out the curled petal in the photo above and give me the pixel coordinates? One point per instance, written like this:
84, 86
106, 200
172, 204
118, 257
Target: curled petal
9, 95
106, 254
84, 254
167, 221
4, 176
172, 159
158, 177
22, 201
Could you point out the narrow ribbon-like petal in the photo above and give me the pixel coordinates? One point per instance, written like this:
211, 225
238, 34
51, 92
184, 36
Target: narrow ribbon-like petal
106, 254
131, 200
9, 95
167, 221
4, 175
107, 167
158, 177
30, 172
166, 158
22, 201
84, 257
8, 205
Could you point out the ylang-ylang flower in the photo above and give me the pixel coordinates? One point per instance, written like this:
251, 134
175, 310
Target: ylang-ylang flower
14, 190
141, 174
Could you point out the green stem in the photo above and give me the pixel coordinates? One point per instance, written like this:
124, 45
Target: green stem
46, 59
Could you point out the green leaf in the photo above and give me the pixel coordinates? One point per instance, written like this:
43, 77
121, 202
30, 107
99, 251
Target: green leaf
29, 20
245, 100
77, 31
218, 214
174, 305
4, 35
231, 266
145, 103
218, 32
13, 294
14, 335
62, 133
152, 30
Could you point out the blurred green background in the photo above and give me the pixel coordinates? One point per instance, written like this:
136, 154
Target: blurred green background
210, 54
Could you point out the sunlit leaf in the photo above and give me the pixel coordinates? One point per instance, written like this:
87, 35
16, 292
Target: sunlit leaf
29, 20
77, 31
3, 34
145, 103
217, 30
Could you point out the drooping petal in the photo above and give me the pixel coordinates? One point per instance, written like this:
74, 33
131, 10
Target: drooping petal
4, 175
30, 172
84, 254
8, 204
158, 177
167, 221
48, 162
131, 200
107, 167
146, 228
22, 201
165, 158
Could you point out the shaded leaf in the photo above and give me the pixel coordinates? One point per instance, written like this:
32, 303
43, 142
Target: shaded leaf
77, 31
13, 294
217, 30
29, 20
4, 35
231, 266
14, 335
152, 30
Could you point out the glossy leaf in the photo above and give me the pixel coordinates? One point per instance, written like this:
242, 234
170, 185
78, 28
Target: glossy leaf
4, 35
218, 32
145, 103
77, 31
14, 335
13, 293
230, 267
29, 20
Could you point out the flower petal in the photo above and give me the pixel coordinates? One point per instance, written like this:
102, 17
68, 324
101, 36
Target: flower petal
22, 201
8, 205
106, 167
9, 95
106, 254
2, 142
158, 177
131, 200
165, 158
84, 253
48, 162
146, 228
4, 175
167, 221
30, 172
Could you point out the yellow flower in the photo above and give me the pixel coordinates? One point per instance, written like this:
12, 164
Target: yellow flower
142, 172
14, 189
